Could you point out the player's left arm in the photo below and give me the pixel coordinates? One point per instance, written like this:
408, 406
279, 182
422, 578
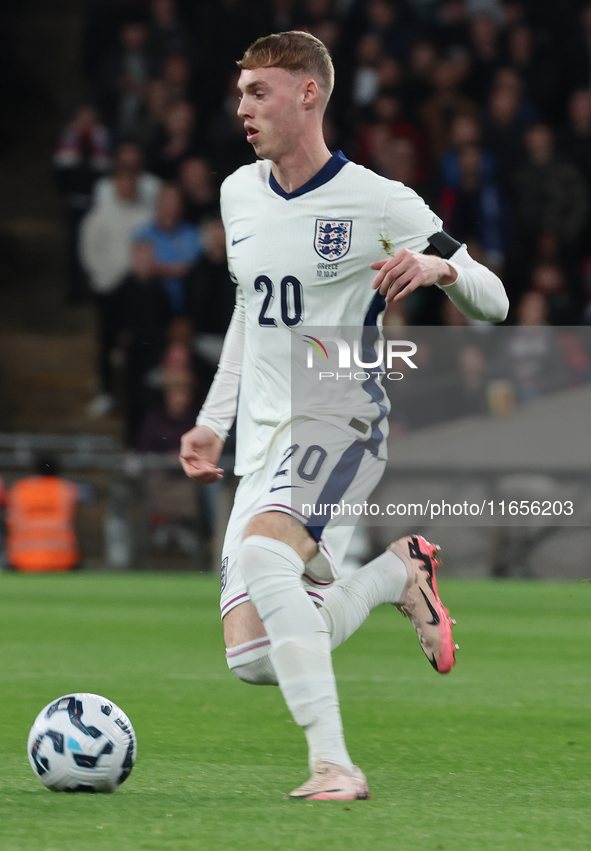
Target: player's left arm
474, 289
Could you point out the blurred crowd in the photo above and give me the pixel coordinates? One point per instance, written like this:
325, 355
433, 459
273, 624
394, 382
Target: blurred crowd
475, 371
482, 106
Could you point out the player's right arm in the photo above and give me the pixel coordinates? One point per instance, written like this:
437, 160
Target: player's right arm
202, 446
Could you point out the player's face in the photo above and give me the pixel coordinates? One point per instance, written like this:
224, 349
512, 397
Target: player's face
272, 111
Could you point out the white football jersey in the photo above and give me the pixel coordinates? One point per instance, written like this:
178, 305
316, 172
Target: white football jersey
302, 259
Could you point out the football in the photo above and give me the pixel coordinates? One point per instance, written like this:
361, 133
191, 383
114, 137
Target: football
82, 743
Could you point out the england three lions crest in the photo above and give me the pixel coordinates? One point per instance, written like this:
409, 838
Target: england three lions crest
332, 238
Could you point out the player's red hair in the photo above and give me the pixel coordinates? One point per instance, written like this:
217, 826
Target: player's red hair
293, 51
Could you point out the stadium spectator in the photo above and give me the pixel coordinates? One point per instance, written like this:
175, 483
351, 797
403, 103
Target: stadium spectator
104, 19
486, 8
176, 358
175, 141
164, 425
329, 33
150, 122
533, 357
387, 113
168, 35
211, 295
574, 139
396, 32
468, 396
145, 313
508, 78
240, 24
398, 161
550, 195
465, 130
473, 210
417, 82
176, 244
83, 147
226, 134
180, 512
179, 333
503, 127
40, 521
333, 131
576, 53
210, 290
129, 157
486, 55
366, 81
452, 24
550, 280
123, 79
105, 254
176, 75
439, 111
81, 157
315, 12
535, 69
389, 73
282, 15
200, 194
576, 356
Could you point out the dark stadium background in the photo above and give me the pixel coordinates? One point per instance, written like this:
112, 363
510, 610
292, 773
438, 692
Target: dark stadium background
482, 106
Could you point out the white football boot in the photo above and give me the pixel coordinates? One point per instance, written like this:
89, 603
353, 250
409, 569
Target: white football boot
330, 782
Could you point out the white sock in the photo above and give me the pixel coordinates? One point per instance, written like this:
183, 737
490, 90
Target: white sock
348, 602
300, 644
251, 662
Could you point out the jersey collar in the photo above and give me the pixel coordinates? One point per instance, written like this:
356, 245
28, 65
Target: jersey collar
326, 173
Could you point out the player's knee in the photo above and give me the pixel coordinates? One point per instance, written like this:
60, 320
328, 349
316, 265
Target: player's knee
258, 672
242, 626
278, 526
268, 565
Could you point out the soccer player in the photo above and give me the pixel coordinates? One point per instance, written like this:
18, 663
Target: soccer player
282, 612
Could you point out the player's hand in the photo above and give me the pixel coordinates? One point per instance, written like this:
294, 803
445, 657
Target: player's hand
200, 452
406, 270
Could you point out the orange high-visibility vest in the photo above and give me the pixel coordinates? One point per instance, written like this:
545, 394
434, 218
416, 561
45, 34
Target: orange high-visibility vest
40, 525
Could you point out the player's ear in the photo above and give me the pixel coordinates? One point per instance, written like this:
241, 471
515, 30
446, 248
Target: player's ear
310, 92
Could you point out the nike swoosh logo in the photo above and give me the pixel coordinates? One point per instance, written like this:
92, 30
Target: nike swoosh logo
434, 614
271, 613
236, 241
284, 487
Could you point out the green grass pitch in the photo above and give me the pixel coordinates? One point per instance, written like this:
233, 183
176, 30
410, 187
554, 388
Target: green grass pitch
494, 756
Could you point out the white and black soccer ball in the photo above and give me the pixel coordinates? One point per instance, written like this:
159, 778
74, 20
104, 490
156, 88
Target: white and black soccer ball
82, 743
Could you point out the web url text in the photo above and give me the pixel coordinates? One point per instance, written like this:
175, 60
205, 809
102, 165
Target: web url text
488, 508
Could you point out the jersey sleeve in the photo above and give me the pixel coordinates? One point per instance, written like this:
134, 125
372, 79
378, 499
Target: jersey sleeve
219, 409
407, 222
477, 291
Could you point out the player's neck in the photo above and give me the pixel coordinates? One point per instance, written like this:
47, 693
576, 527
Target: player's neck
297, 168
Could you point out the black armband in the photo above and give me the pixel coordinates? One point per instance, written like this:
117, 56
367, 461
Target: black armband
442, 244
